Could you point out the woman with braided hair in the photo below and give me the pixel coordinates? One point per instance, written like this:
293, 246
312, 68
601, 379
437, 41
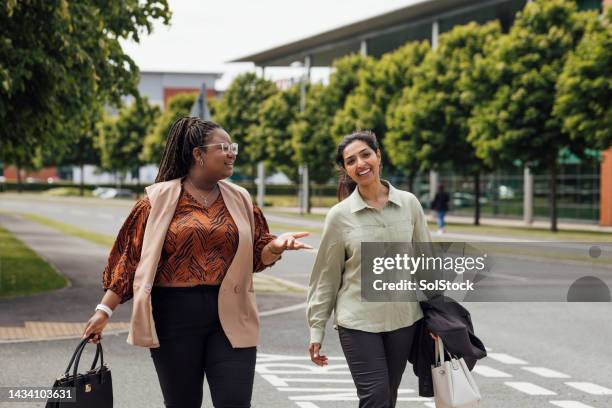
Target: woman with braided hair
186, 255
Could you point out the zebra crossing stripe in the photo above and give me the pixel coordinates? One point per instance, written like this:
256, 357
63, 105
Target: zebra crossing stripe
530, 388
307, 405
506, 359
489, 372
545, 372
570, 404
590, 388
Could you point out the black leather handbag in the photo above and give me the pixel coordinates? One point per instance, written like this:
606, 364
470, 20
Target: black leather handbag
93, 389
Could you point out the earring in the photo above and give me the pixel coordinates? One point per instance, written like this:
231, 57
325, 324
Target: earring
201, 163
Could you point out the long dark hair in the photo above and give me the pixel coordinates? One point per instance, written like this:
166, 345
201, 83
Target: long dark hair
186, 134
346, 185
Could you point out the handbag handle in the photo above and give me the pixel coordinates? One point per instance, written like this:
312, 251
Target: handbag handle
439, 352
439, 357
76, 357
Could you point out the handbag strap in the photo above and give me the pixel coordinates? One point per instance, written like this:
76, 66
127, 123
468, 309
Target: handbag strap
76, 352
439, 351
76, 357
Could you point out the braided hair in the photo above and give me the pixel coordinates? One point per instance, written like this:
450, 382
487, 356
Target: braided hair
186, 134
346, 185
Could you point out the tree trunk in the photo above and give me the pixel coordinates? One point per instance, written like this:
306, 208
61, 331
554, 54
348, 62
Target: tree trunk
19, 181
411, 175
309, 203
82, 183
477, 198
553, 196
138, 182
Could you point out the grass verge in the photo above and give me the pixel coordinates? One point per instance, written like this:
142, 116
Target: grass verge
502, 231
22, 271
97, 238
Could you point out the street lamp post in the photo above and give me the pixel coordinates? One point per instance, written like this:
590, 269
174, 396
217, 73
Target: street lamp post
303, 193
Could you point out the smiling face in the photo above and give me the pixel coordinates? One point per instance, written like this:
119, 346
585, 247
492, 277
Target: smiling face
217, 164
361, 163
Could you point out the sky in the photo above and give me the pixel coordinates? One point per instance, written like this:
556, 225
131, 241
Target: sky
203, 35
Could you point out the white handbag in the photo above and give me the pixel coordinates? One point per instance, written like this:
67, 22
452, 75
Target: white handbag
454, 386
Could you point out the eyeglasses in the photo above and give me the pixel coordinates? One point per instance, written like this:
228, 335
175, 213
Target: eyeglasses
225, 147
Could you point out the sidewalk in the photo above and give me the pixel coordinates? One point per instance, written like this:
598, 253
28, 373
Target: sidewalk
64, 312
469, 220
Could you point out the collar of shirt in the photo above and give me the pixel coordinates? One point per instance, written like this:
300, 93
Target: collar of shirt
358, 203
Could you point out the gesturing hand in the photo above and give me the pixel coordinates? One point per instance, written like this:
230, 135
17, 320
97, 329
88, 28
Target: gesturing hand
289, 241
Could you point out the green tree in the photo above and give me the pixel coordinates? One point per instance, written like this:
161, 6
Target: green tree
238, 112
60, 60
429, 127
121, 137
311, 138
516, 125
314, 140
380, 86
584, 88
276, 116
83, 150
155, 141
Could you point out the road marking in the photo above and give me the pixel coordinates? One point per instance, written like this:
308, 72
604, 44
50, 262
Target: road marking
506, 358
284, 382
590, 388
283, 310
320, 389
305, 389
306, 405
489, 372
546, 372
570, 404
345, 396
430, 404
529, 388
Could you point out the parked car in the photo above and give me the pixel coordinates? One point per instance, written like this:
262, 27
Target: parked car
108, 193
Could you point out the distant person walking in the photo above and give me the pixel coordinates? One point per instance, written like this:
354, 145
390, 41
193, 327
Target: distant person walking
440, 206
186, 255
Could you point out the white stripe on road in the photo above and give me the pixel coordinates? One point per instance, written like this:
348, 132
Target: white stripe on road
430, 404
284, 381
318, 372
283, 310
321, 389
506, 358
545, 372
529, 388
590, 388
489, 372
306, 405
345, 396
570, 404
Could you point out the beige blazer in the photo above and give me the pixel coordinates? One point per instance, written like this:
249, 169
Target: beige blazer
237, 307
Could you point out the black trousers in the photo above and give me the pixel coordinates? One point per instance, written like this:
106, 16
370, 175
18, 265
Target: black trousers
377, 362
193, 345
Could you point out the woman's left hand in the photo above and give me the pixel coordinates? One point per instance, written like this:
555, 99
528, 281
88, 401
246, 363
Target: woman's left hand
288, 241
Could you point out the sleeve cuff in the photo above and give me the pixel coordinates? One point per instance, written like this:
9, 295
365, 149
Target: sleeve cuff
316, 335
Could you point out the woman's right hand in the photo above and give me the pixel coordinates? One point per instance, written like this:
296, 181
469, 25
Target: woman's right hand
315, 357
95, 325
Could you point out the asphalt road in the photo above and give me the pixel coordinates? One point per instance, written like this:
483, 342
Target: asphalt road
541, 354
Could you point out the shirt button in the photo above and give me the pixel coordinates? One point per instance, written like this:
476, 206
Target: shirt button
237, 289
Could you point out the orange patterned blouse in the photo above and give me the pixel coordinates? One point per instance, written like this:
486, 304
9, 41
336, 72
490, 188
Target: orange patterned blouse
199, 247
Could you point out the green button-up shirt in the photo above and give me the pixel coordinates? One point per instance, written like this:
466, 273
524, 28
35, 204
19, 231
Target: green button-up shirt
335, 281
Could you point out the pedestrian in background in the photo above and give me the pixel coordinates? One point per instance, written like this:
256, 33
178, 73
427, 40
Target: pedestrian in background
440, 206
376, 337
186, 254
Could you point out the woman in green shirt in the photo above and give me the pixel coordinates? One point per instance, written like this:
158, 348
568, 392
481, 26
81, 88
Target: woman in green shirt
376, 337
